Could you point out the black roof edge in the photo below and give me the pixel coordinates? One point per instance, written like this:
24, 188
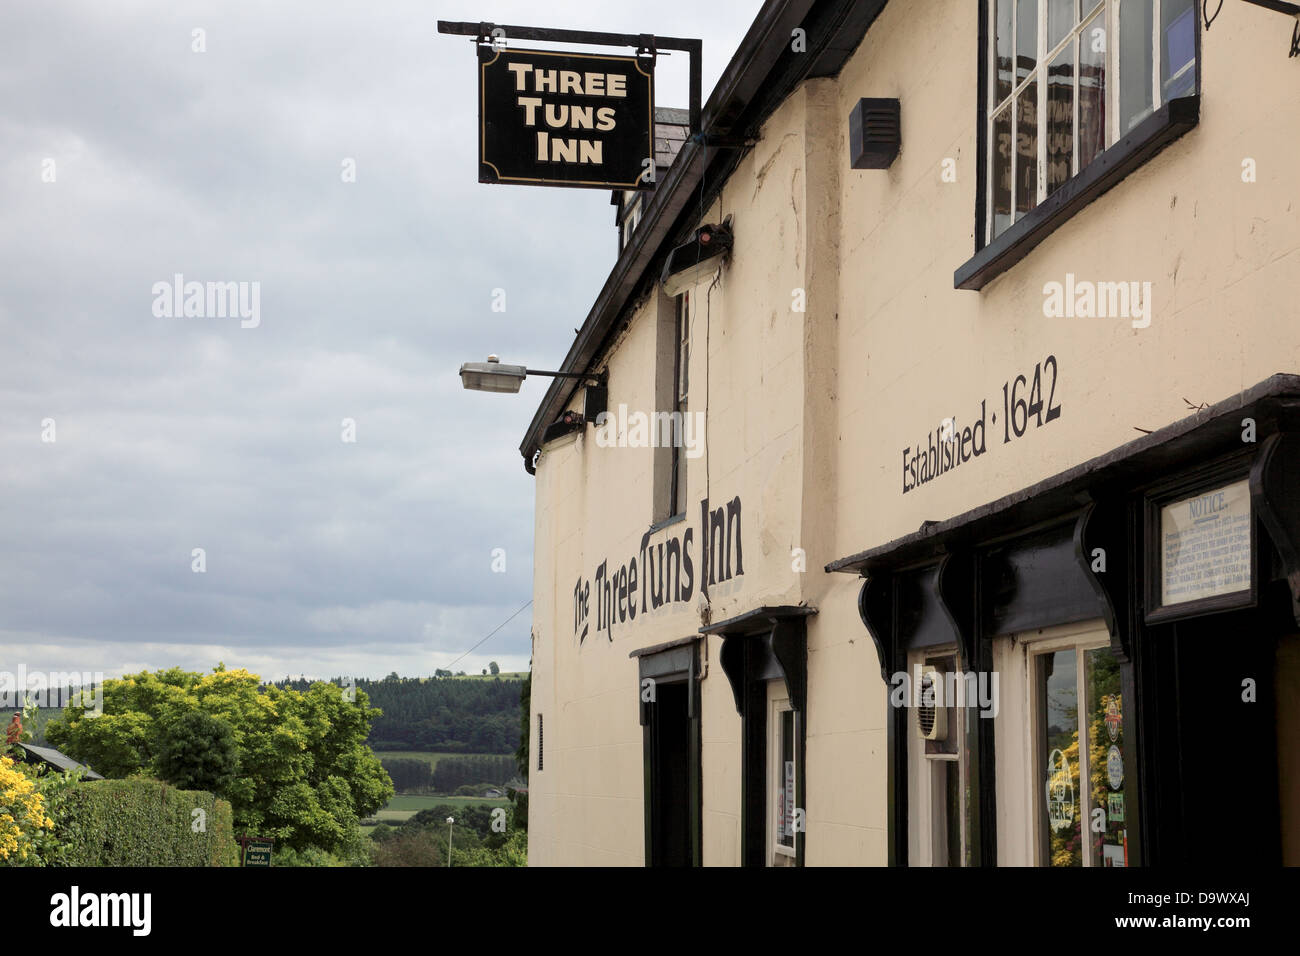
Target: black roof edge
761, 74
758, 619
1052, 494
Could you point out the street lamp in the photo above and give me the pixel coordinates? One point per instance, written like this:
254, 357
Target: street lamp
492, 376
450, 821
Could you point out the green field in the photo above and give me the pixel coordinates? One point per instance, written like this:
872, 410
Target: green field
406, 805
432, 756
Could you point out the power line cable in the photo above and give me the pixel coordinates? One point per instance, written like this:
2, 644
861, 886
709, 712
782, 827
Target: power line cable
490, 633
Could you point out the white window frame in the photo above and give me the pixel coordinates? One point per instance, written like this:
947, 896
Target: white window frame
778, 704
630, 211
926, 803
1110, 15
1019, 741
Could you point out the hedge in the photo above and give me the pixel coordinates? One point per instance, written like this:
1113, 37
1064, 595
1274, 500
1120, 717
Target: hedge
142, 822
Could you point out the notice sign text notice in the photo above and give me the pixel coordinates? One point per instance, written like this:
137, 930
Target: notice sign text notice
1205, 545
565, 119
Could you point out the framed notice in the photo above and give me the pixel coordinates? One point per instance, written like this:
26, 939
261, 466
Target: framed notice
1201, 550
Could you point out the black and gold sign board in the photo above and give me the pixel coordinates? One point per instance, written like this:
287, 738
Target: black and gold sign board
565, 119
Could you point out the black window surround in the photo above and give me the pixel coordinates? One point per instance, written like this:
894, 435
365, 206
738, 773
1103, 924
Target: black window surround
1149, 137
1133, 150
767, 643
674, 662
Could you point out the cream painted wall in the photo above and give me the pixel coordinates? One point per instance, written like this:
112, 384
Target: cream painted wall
808, 412
1223, 258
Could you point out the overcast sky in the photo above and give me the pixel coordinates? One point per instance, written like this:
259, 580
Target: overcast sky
129, 439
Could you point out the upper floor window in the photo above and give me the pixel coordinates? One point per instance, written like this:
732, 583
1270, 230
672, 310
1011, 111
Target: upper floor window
672, 390
1067, 80
630, 208
681, 382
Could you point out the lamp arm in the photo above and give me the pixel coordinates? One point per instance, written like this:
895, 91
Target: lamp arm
600, 378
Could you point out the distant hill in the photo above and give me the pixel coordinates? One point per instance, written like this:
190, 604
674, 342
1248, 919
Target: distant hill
469, 714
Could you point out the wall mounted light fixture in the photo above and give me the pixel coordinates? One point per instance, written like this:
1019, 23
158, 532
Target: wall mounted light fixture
688, 263
493, 376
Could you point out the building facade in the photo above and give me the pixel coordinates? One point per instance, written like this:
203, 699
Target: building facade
951, 515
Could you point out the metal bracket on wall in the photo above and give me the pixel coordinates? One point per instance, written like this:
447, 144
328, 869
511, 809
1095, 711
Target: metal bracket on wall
1101, 548
483, 33
1284, 7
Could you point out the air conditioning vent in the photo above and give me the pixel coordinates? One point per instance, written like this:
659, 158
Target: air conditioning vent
875, 133
932, 716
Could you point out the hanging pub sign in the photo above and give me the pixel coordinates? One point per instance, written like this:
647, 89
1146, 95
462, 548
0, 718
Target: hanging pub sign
1205, 557
565, 119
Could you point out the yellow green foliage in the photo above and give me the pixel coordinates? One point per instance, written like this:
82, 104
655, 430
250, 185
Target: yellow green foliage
22, 814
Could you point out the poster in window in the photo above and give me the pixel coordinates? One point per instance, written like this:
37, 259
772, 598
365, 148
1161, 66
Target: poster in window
788, 818
780, 814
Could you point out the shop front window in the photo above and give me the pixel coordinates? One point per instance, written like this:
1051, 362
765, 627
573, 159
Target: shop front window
785, 815
1082, 776
1062, 779
937, 806
1058, 691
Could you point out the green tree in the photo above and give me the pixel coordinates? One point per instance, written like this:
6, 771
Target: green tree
409, 847
197, 752
520, 797
305, 774
511, 851
492, 666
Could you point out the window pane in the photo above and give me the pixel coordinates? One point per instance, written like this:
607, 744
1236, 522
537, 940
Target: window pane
1026, 38
1177, 48
1106, 756
1060, 119
679, 470
1092, 91
1060, 20
683, 346
1135, 62
1027, 149
1059, 732
1003, 49
786, 782
1001, 171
